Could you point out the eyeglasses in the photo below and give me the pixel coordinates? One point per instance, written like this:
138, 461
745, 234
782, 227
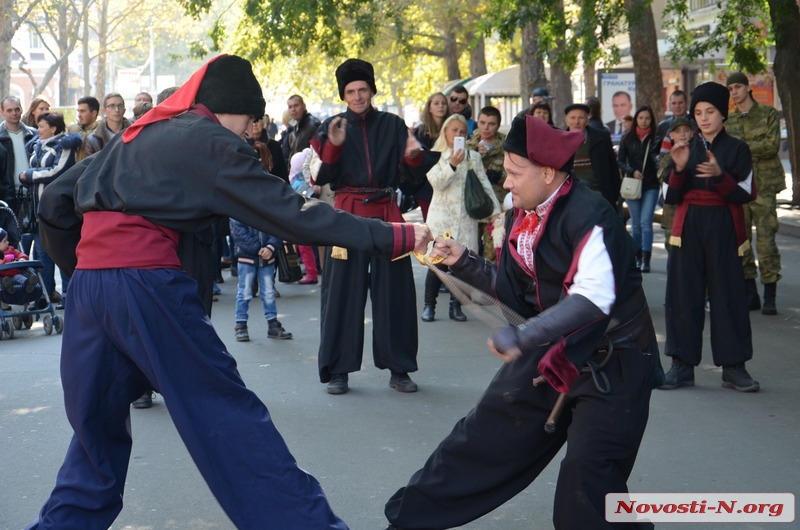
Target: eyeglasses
458, 100
116, 107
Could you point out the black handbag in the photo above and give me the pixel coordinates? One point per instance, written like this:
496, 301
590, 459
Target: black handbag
289, 270
26, 216
476, 201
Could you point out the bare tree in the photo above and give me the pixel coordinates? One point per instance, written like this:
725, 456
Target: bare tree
10, 22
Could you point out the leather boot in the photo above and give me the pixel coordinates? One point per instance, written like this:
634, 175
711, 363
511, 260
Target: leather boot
639, 259
769, 307
455, 311
431, 292
645, 261
753, 301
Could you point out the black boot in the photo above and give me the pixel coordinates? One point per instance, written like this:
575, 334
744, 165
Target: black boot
639, 259
645, 261
769, 299
455, 311
432, 283
753, 301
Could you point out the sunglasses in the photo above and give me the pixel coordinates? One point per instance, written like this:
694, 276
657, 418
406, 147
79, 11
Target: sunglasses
459, 100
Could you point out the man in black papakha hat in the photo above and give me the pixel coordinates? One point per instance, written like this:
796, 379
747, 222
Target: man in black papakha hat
567, 266
361, 152
136, 320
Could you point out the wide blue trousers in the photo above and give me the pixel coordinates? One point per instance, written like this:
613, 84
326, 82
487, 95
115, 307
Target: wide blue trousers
128, 330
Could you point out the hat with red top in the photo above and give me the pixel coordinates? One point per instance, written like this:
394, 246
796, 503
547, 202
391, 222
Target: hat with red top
541, 143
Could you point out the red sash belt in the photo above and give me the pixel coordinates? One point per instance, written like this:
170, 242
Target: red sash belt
114, 240
708, 198
377, 207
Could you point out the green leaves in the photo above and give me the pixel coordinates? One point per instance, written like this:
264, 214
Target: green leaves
742, 28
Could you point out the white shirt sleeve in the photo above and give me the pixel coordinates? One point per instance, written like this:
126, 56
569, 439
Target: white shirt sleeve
594, 278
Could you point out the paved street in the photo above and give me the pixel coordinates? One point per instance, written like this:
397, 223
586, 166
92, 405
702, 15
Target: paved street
364, 445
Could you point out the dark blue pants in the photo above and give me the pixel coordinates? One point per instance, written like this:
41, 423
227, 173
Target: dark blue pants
131, 329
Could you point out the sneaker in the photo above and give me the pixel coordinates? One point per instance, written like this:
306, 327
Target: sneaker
276, 331
308, 280
338, 384
144, 402
680, 374
737, 378
8, 285
240, 332
402, 383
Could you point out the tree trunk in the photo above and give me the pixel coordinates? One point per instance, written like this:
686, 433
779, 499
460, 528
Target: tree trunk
63, 50
451, 55
531, 68
102, 58
560, 79
590, 79
87, 76
6, 34
785, 15
477, 59
644, 52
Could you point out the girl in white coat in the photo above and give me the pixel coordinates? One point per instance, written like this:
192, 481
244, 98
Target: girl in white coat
447, 211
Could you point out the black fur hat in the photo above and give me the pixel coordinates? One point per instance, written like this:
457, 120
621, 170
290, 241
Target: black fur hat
355, 70
229, 87
713, 93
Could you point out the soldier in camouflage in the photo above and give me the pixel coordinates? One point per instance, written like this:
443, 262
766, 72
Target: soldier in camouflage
488, 141
759, 126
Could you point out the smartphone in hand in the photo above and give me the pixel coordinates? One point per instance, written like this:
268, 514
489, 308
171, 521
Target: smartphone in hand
459, 142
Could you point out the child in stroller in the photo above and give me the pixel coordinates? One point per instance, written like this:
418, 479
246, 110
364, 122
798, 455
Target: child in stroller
17, 285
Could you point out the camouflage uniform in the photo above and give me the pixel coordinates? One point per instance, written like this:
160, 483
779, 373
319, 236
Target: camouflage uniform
492, 161
760, 129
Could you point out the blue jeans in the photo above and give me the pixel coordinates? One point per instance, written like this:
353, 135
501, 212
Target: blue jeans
642, 211
266, 290
48, 267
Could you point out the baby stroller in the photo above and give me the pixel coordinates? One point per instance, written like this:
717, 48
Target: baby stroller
27, 294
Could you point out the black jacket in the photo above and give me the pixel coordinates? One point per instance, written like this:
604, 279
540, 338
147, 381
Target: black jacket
374, 147
604, 163
565, 321
223, 178
8, 180
632, 158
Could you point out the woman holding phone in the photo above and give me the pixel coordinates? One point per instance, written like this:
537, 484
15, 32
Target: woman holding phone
447, 212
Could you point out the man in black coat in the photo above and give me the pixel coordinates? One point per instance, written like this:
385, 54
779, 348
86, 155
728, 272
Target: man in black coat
595, 162
567, 268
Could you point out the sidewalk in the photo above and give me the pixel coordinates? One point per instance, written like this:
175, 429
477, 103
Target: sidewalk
788, 218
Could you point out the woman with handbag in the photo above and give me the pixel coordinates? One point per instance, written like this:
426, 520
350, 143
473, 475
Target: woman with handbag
637, 160
448, 211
